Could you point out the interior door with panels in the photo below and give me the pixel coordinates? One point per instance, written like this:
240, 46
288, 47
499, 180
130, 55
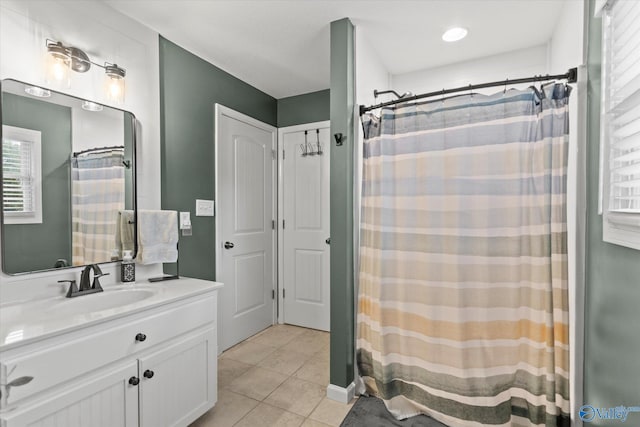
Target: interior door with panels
305, 233
244, 234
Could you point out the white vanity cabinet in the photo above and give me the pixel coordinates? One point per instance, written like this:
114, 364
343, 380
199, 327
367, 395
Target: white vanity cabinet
104, 400
150, 367
177, 383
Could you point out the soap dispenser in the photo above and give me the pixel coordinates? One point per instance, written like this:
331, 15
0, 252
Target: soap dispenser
127, 268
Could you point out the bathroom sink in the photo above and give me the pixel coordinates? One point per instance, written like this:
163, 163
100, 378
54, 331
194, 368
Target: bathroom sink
101, 301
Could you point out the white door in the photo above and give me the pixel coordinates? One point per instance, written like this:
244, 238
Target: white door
305, 231
244, 235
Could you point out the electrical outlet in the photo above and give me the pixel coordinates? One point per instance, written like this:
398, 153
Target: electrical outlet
204, 207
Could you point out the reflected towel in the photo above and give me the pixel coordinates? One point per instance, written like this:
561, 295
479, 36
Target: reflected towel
157, 236
124, 232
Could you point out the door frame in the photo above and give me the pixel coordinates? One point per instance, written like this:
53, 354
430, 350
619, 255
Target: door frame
220, 111
280, 195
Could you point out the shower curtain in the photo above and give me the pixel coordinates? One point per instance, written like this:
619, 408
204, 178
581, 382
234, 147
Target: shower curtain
97, 191
463, 301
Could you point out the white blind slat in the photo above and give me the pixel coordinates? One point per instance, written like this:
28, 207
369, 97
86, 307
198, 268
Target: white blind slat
623, 109
634, 183
628, 170
619, 94
626, 117
628, 156
17, 177
623, 15
623, 46
629, 32
623, 87
627, 130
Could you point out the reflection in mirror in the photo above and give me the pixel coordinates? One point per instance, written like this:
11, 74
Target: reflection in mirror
68, 169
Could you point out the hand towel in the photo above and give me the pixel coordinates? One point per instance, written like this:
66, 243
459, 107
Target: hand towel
157, 236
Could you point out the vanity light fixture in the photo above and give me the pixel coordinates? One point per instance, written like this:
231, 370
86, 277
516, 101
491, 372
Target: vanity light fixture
114, 80
57, 65
91, 106
454, 34
63, 58
38, 91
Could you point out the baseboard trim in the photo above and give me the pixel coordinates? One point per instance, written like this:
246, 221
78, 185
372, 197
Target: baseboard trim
341, 394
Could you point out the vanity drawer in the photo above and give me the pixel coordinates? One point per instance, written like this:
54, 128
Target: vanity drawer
60, 359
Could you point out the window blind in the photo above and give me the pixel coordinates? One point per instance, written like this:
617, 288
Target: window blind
18, 180
623, 105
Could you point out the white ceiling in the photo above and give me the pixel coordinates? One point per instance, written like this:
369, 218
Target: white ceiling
282, 46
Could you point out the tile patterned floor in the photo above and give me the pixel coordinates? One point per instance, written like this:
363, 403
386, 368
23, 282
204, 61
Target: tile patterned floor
276, 378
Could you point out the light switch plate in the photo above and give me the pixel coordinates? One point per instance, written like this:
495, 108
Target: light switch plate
204, 207
185, 220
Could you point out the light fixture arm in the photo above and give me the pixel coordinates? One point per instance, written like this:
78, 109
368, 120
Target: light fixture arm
80, 61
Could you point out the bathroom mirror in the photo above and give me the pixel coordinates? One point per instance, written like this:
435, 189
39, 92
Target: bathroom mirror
68, 180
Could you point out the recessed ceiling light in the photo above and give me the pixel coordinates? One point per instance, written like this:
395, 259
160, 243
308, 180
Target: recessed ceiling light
91, 106
38, 91
454, 34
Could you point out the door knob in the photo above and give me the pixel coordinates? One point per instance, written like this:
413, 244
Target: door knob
134, 380
328, 241
148, 374
141, 337
228, 245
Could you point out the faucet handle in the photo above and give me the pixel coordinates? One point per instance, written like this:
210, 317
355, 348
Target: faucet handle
73, 288
96, 282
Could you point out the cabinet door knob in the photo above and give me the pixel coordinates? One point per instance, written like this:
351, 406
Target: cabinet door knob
148, 374
134, 380
141, 337
228, 245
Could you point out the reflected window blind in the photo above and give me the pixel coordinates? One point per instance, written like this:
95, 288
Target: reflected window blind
622, 103
17, 174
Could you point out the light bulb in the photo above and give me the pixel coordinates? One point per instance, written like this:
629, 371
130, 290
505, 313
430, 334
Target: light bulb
58, 71
454, 34
38, 91
91, 106
57, 66
114, 88
114, 80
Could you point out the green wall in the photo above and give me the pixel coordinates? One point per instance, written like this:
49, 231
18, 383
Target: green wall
612, 341
300, 109
32, 247
189, 89
341, 187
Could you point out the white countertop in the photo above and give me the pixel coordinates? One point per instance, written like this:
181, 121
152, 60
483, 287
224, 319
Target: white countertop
22, 323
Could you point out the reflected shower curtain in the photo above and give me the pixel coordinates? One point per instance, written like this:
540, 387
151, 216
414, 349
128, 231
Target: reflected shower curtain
463, 300
97, 192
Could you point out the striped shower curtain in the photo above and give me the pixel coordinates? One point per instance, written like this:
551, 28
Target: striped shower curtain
463, 300
97, 189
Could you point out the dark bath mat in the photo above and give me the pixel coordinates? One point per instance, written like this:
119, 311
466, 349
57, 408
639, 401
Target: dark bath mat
371, 412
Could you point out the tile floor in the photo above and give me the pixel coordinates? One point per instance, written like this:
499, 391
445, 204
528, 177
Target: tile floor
278, 377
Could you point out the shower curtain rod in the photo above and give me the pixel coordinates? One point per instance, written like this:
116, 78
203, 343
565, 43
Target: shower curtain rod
571, 76
77, 153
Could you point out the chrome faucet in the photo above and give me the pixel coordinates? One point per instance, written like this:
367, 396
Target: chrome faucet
85, 278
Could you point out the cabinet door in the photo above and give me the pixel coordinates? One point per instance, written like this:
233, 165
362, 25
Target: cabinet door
103, 400
178, 383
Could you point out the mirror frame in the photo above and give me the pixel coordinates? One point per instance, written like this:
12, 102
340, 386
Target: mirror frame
134, 190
